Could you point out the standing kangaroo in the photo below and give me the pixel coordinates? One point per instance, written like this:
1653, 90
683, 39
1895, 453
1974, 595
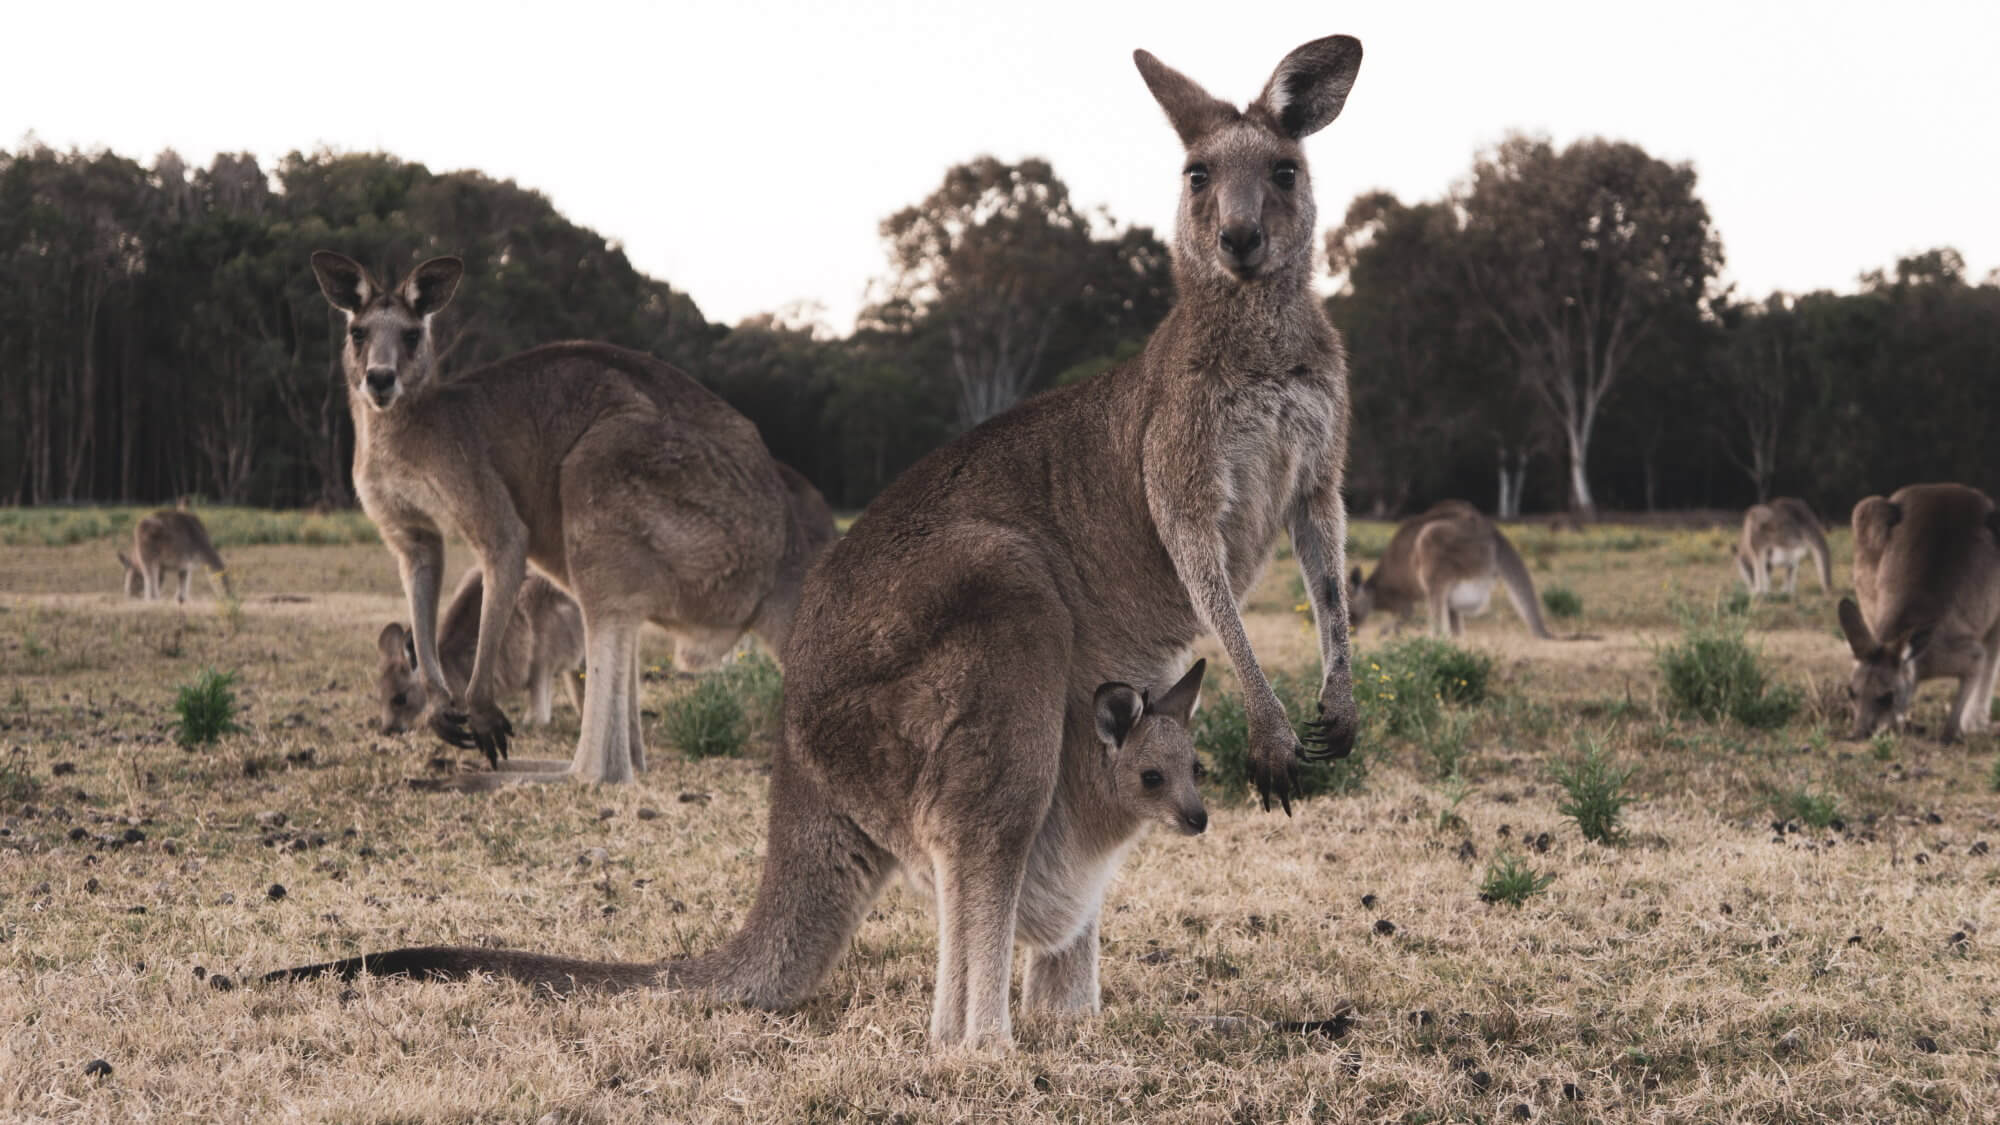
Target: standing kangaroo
1781, 534
1446, 559
1927, 571
643, 495
170, 540
544, 642
955, 669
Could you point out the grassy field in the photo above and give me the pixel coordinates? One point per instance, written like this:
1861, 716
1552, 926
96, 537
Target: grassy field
1781, 927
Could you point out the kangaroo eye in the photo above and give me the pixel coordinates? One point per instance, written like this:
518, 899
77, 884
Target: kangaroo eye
1152, 779
1285, 175
359, 335
411, 338
1197, 175
400, 699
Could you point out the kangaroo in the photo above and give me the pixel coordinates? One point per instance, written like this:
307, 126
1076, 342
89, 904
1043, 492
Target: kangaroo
1145, 773
170, 539
1927, 572
640, 493
1446, 559
1780, 534
544, 642
945, 703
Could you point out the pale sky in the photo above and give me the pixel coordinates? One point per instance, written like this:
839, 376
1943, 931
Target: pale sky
747, 152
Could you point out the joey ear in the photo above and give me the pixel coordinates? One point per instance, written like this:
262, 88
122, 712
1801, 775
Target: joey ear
1181, 699
1191, 110
1354, 579
347, 284
1860, 641
393, 641
430, 286
1118, 709
1308, 89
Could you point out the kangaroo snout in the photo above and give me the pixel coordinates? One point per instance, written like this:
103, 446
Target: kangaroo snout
381, 384
1243, 243
1194, 821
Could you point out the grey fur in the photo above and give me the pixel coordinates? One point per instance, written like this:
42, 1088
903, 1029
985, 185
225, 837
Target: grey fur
1781, 534
1446, 561
170, 540
544, 643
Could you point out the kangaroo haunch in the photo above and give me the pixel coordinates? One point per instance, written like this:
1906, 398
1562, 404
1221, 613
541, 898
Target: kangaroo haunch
954, 673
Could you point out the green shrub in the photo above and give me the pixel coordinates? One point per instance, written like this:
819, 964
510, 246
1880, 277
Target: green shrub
1882, 747
1403, 688
1512, 881
1813, 808
1993, 776
16, 783
206, 709
1562, 602
759, 686
1444, 742
1222, 731
1593, 792
708, 721
1712, 673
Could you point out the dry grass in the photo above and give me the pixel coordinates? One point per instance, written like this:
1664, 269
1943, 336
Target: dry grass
1707, 969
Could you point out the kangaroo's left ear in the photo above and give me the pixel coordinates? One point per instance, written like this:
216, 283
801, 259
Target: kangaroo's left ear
430, 286
1309, 88
1118, 707
1182, 698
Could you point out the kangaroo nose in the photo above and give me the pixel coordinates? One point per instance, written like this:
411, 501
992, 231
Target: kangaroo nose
381, 380
1196, 821
1240, 240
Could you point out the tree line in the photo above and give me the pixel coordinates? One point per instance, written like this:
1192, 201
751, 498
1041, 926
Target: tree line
1549, 334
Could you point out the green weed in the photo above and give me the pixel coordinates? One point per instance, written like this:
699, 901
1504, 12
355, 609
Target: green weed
709, 721
1222, 731
1593, 792
1810, 807
206, 709
1510, 880
1402, 689
1562, 602
1711, 674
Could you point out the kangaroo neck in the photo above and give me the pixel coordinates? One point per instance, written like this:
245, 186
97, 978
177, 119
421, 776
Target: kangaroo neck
1262, 326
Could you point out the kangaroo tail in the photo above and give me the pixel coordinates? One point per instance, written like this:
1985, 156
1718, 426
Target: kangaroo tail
1520, 588
449, 962
821, 874
1822, 557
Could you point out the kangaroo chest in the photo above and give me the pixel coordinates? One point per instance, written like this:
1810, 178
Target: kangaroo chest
1274, 438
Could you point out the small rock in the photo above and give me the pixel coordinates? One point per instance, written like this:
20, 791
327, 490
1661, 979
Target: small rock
648, 812
275, 892
1522, 1112
220, 983
1926, 1044
135, 910
1480, 1080
1367, 901
1466, 852
134, 836
200, 973
64, 769
90, 885
1958, 937
1923, 858
1933, 818
696, 798
1572, 1092
594, 855
97, 1068
1384, 927
606, 813
1978, 848
170, 846
1155, 957
79, 833
1541, 842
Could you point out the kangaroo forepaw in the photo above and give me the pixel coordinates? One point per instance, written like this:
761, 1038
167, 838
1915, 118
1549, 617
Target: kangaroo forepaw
1328, 738
488, 734
1281, 782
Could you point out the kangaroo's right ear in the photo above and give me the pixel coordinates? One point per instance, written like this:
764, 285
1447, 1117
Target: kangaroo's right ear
1182, 698
1192, 110
430, 286
1872, 520
1308, 89
347, 283
1859, 640
1118, 707
393, 640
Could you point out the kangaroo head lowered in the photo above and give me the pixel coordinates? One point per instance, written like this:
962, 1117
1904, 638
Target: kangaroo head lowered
1884, 680
1153, 763
398, 685
1246, 209
388, 353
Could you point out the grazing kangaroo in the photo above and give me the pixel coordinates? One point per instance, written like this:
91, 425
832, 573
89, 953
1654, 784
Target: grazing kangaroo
1927, 571
1447, 560
1780, 534
631, 486
544, 642
170, 539
946, 699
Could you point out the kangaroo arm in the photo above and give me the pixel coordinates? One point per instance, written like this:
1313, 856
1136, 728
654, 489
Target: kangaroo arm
1319, 542
503, 556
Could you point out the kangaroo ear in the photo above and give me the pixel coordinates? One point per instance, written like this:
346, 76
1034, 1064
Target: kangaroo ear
430, 286
393, 640
1860, 641
1182, 698
1307, 90
1190, 109
347, 283
1118, 709
1354, 579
